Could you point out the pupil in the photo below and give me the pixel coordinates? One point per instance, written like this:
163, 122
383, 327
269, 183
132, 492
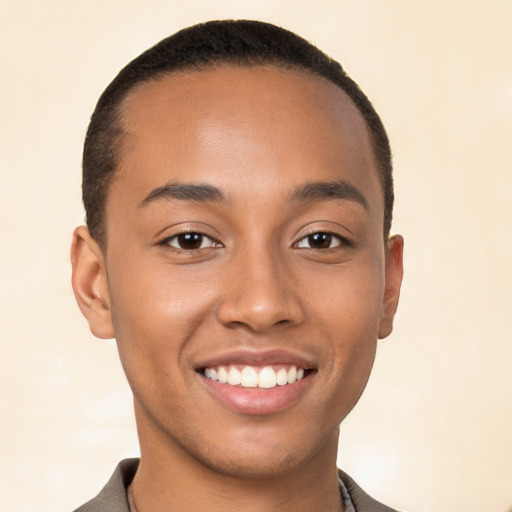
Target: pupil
190, 240
320, 240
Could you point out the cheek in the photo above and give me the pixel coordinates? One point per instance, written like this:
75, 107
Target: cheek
347, 308
353, 376
154, 314
347, 300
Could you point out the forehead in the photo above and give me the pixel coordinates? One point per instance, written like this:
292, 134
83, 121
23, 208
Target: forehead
235, 124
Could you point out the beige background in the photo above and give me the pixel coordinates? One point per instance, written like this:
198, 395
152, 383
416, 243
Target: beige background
433, 431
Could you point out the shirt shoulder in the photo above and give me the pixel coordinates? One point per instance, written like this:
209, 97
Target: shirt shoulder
362, 501
112, 498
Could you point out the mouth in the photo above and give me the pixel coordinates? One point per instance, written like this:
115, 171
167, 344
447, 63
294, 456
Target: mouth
257, 382
262, 377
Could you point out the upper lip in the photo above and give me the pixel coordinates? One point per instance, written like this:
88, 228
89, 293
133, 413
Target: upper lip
254, 357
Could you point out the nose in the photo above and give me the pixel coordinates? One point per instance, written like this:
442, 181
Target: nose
259, 292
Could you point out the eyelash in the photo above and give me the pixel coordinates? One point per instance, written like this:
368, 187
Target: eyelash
167, 242
341, 240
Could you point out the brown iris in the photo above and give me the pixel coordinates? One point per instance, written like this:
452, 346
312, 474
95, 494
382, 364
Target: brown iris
190, 241
320, 240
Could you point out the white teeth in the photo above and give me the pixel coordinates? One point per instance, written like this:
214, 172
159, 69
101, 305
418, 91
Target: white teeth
234, 376
282, 377
267, 378
222, 374
249, 377
292, 375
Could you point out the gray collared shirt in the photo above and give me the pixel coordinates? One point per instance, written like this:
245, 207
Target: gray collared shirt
113, 497
345, 496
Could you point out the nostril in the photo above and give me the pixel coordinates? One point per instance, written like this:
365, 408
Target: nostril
259, 315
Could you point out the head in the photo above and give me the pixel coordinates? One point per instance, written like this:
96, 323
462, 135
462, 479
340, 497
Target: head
237, 187
240, 43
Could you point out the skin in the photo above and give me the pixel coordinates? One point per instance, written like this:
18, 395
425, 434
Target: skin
257, 283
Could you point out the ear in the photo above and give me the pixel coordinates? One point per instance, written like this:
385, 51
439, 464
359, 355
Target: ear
89, 281
393, 274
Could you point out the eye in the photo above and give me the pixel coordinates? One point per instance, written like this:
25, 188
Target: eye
320, 241
190, 241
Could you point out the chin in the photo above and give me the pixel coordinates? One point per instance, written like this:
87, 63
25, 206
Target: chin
255, 464
262, 453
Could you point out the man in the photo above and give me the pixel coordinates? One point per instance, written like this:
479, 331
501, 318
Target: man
238, 194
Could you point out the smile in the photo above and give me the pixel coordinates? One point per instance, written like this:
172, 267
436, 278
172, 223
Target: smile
247, 376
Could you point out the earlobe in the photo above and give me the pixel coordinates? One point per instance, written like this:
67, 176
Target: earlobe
393, 273
89, 281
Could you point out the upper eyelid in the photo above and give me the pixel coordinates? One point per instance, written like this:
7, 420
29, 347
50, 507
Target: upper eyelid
183, 230
190, 226
325, 225
176, 235
188, 232
341, 237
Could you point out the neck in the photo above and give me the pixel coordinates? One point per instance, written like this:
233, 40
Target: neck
169, 478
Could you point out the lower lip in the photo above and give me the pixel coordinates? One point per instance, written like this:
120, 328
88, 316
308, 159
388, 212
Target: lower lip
257, 401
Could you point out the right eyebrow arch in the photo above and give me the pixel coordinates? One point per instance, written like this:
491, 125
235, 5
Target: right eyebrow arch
201, 192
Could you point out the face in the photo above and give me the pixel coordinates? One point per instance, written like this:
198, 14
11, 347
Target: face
245, 278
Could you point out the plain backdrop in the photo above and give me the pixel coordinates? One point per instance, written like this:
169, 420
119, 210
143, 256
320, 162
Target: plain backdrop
433, 430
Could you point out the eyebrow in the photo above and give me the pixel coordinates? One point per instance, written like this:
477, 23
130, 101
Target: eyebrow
184, 192
202, 192
328, 190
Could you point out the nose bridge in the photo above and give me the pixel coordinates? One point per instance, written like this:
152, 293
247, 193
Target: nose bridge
257, 291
